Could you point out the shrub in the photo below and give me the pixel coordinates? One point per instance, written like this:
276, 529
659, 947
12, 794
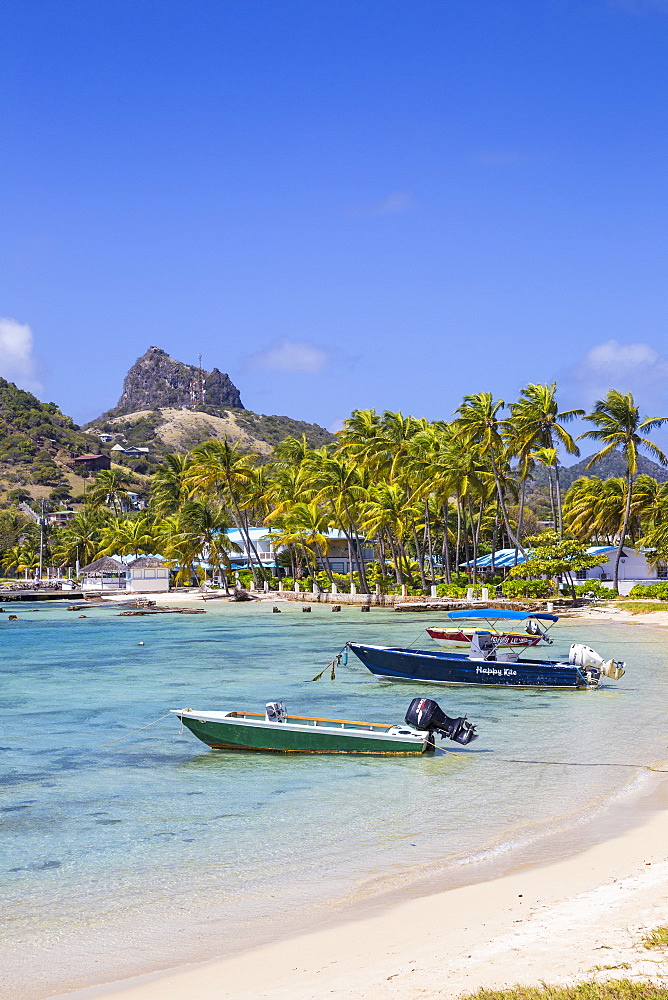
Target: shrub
594, 587
450, 590
656, 590
527, 588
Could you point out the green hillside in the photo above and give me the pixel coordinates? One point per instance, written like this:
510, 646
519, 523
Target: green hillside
36, 440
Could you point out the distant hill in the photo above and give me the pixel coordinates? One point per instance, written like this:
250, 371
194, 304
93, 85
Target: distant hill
156, 380
167, 406
166, 430
36, 440
609, 467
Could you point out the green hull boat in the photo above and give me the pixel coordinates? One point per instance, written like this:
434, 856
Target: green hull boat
277, 732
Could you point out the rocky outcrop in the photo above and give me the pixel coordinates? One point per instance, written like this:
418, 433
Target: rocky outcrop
156, 380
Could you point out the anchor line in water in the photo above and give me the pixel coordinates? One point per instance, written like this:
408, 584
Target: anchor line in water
589, 763
340, 658
133, 731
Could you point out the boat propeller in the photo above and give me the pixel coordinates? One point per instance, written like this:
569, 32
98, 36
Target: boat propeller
426, 715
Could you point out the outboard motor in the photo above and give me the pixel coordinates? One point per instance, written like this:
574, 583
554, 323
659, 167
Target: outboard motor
593, 665
427, 716
275, 711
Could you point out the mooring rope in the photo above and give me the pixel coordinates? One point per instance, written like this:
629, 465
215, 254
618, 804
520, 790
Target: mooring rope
654, 766
133, 731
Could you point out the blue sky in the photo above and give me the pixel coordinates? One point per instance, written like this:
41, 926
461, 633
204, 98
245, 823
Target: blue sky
342, 203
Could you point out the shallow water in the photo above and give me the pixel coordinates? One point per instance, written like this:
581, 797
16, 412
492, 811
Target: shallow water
118, 858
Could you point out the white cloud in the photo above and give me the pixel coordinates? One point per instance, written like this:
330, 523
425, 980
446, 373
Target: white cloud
336, 425
296, 356
16, 360
398, 201
636, 368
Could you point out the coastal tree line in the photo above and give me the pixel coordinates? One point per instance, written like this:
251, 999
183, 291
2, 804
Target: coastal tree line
426, 496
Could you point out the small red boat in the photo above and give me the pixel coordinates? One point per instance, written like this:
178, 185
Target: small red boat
462, 637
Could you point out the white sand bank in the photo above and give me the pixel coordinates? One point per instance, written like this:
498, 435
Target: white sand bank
554, 923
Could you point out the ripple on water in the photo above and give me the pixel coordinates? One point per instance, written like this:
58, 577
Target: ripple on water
115, 840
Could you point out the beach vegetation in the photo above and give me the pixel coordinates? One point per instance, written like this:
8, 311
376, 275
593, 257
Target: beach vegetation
658, 938
550, 557
617, 989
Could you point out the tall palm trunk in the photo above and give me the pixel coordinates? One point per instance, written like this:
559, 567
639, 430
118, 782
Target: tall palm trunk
467, 553
552, 504
419, 552
469, 515
430, 547
495, 533
459, 534
445, 551
511, 534
627, 514
520, 519
557, 483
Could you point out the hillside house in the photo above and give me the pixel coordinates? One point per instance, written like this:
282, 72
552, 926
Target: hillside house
91, 463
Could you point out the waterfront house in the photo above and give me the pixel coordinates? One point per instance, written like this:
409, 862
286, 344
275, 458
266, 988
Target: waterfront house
148, 574
267, 550
104, 573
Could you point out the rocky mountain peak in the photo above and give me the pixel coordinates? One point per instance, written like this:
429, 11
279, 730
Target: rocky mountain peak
156, 380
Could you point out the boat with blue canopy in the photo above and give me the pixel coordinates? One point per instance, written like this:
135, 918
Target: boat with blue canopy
484, 665
461, 635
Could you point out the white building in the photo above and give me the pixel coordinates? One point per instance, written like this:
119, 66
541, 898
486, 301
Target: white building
634, 567
267, 551
261, 539
147, 574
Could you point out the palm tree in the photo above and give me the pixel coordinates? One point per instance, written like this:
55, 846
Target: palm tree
110, 487
310, 524
339, 485
169, 488
548, 458
128, 536
617, 424
478, 424
537, 423
208, 522
79, 541
225, 473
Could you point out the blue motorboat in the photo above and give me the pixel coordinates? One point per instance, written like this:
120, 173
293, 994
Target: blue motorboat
485, 665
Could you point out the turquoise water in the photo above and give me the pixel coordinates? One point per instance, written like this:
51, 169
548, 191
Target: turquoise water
153, 851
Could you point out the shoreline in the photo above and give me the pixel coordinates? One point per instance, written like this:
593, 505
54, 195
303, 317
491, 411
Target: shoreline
541, 920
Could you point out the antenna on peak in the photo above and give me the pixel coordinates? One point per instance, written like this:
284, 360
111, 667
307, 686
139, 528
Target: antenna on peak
202, 390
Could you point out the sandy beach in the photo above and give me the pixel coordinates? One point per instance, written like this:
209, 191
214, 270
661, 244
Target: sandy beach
581, 917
